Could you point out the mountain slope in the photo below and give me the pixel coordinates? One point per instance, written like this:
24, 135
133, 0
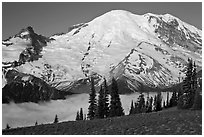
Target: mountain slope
148, 51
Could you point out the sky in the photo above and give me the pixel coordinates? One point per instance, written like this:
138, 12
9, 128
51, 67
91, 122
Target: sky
54, 17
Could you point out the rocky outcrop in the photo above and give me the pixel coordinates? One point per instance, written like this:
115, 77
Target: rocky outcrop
27, 88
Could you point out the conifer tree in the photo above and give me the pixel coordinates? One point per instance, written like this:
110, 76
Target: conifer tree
167, 100
197, 104
56, 119
158, 102
136, 110
155, 103
106, 99
147, 103
115, 104
173, 100
150, 105
81, 114
194, 85
7, 126
36, 123
141, 103
77, 116
186, 100
131, 108
164, 104
100, 105
92, 102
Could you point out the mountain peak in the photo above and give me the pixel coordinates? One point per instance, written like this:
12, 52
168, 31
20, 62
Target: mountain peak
118, 12
27, 30
30, 29
114, 14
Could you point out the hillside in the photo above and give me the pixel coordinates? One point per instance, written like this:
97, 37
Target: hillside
167, 122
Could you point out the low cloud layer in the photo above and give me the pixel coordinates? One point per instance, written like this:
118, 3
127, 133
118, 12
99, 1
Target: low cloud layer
26, 114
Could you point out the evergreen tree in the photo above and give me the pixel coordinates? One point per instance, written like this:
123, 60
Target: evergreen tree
164, 104
7, 126
56, 119
115, 104
147, 102
106, 99
150, 105
186, 100
81, 114
92, 102
141, 103
131, 109
136, 110
158, 102
100, 105
77, 116
167, 100
194, 85
155, 103
173, 100
197, 104
36, 123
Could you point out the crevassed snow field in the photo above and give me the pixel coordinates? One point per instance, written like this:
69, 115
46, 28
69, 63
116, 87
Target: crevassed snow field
26, 114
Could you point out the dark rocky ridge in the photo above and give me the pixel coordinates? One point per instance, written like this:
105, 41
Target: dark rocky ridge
27, 88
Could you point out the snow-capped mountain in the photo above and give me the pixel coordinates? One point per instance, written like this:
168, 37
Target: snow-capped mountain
138, 50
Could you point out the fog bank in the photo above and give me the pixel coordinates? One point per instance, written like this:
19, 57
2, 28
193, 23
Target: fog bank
26, 114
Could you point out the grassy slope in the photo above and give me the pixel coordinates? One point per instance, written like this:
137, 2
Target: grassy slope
165, 122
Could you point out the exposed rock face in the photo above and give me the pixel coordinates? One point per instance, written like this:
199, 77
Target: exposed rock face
27, 88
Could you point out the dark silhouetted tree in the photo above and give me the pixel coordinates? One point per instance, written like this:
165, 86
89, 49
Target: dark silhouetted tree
136, 110
197, 104
155, 103
106, 99
194, 84
158, 102
131, 108
147, 102
186, 100
77, 116
141, 103
7, 126
101, 103
167, 100
36, 123
92, 102
164, 104
149, 109
115, 104
81, 115
56, 119
173, 100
